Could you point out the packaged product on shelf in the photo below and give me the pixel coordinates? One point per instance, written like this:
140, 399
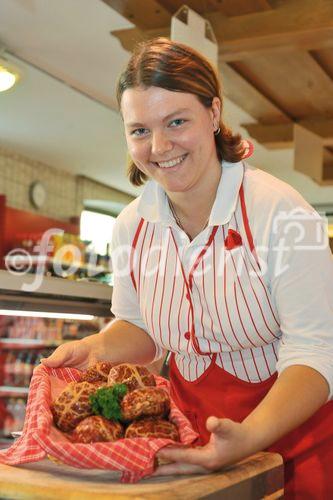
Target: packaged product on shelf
8, 370
19, 369
38, 357
19, 414
41, 354
5, 322
54, 329
15, 413
68, 248
19, 365
34, 328
29, 364
8, 425
70, 330
40, 328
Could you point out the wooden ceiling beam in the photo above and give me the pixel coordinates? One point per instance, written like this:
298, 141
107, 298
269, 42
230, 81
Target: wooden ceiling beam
327, 178
325, 60
227, 7
130, 37
235, 87
246, 96
152, 14
145, 14
238, 88
296, 24
281, 135
322, 127
294, 81
311, 157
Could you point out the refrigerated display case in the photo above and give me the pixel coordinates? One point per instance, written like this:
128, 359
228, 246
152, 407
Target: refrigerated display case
34, 320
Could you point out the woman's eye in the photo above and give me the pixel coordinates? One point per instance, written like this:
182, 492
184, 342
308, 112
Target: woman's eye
177, 122
139, 131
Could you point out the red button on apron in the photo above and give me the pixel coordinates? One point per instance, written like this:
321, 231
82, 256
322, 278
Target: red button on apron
187, 335
188, 296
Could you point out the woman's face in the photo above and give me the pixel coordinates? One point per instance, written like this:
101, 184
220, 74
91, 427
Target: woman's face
170, 136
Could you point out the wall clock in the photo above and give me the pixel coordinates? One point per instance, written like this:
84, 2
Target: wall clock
37, 194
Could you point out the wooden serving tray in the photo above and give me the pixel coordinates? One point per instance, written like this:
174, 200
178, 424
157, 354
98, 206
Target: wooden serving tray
257, 477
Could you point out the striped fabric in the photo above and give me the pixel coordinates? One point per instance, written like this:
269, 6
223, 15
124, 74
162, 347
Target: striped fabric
214, 305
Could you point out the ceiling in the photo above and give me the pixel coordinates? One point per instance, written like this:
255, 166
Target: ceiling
275, 56
62, 111
276, 59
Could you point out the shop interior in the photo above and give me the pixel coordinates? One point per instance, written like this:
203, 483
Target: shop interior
63, 154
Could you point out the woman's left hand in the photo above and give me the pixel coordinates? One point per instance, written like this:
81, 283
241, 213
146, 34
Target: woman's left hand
229, 442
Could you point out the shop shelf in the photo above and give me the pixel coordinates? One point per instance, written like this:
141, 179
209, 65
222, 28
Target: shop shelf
5, 442
7, 391
54, 295
42, 259
29, 343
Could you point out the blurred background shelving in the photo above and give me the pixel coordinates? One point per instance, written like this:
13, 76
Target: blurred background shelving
33, 324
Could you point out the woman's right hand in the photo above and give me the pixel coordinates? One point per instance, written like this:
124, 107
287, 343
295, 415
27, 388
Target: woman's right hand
77, 354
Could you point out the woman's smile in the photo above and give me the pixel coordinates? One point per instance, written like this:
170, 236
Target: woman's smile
170, 137
171, 164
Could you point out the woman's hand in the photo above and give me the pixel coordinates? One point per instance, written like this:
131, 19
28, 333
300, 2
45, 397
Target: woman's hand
287, 405
77, 354
229, 442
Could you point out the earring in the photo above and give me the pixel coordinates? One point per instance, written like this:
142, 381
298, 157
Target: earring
217, 131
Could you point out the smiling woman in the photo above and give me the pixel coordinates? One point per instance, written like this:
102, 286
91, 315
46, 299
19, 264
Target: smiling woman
177, 68
175, 143
173, 125
208, 266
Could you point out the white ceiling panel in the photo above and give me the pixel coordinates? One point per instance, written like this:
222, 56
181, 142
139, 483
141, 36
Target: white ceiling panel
70, 39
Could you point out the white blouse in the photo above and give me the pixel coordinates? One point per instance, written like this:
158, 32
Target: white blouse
256, 311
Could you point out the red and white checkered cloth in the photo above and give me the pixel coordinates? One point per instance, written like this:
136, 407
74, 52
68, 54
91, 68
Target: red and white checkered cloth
133, 457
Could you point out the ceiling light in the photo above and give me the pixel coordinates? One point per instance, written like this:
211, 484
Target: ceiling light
8, 75
43, 314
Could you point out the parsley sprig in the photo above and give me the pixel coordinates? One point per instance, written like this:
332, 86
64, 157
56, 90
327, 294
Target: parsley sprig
106, 401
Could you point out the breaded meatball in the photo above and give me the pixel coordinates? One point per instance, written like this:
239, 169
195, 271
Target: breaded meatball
72, 405
152, 427
133, 376
146, 402
97, 373
95, 429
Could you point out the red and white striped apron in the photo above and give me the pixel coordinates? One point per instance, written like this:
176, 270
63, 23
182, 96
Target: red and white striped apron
214, 313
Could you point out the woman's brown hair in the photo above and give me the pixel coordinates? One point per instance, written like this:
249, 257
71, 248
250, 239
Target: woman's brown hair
174, 66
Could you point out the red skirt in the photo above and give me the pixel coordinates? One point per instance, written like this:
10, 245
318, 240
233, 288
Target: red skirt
307, 451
